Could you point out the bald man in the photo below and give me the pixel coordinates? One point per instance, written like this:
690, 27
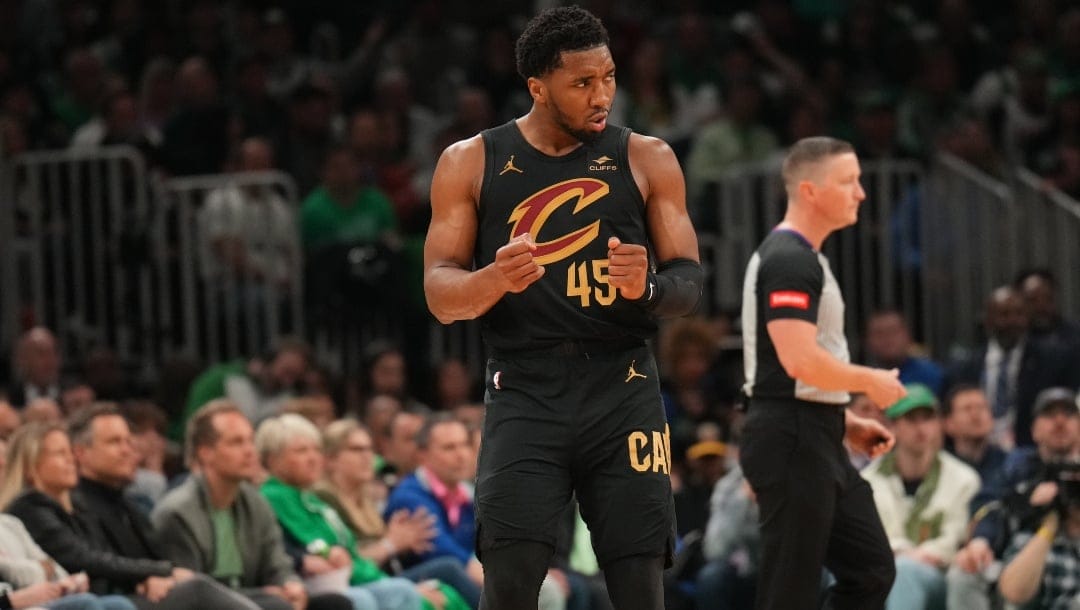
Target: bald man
37, 368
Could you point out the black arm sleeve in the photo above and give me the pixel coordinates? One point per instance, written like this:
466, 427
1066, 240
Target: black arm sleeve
675, 289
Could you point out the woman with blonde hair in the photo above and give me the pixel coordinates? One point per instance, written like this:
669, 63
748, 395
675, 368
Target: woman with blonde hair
36, 456
350, 477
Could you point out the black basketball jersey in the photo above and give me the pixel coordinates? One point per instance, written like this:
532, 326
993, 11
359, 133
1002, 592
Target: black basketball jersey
570, 205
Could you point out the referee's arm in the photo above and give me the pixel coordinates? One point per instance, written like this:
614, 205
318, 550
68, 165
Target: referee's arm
804, 359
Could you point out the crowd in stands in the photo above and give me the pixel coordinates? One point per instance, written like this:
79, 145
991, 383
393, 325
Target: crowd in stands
273, 482
267, 487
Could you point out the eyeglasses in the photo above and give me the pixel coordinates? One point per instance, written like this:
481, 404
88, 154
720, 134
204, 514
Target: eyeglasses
359, 448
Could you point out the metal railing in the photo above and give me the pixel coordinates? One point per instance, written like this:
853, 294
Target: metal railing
870, 260
73, 225
228, 263
96, 249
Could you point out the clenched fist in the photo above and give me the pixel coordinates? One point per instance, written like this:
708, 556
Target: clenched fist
628, 268
515, 265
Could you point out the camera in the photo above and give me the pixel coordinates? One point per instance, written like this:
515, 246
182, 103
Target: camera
1067, 476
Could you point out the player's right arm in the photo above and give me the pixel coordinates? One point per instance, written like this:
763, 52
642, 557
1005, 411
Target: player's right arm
804, 359
454, 290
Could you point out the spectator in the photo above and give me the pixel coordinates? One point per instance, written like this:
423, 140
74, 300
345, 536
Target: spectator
385, 371
738, 137
343, 210
351, 489
24, 566
9, 419
731, 546
318, 409
259, 387
217, 523
437, 487
706, 464
84, 89
889, 346
1056, 432
37, 368
454, 385
1042, 566
687, 352
290, 448
249, 232
1046, 324
968, 424
148, 427
308, 139
112, 546
195, 136
1012, 369
157, 98
922, 496
401, 452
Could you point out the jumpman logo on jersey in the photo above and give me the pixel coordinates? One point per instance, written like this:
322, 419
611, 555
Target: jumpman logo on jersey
509, 167
632, 373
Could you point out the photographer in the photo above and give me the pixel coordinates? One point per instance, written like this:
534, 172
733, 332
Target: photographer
1045, 563
1030, 475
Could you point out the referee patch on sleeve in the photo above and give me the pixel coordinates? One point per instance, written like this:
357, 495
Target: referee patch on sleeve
789, 298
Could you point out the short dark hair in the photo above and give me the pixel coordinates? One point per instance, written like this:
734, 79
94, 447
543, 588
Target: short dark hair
423, 435
81, 423
565, 28
811, 150
200, 430
956, 390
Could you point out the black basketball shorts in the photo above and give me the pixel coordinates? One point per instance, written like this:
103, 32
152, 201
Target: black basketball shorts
584, 419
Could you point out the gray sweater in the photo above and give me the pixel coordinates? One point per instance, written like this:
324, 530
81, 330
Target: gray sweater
186, 533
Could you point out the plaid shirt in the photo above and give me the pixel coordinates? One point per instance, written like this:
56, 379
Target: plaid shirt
1061, 576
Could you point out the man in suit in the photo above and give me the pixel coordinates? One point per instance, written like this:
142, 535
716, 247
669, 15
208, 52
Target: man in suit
1012, 369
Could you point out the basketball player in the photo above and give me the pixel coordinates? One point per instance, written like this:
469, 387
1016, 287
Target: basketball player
569, 237
815, 508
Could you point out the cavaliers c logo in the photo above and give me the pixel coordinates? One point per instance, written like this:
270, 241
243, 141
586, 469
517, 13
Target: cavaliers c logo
530, 215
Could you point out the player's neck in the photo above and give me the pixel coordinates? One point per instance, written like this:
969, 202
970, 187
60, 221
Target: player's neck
545, 136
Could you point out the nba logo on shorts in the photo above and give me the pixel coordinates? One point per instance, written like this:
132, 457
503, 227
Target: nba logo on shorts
495, 379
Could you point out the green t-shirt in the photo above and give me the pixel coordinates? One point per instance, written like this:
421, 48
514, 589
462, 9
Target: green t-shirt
228, 565
323, 222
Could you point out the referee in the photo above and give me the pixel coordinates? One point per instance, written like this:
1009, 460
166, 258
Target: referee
815, 508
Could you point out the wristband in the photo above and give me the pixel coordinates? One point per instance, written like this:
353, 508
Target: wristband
1046, 533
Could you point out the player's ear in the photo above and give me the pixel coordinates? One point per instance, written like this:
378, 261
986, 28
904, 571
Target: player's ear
807, 190
537, 90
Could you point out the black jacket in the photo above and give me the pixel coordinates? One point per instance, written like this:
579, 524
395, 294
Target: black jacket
79, 544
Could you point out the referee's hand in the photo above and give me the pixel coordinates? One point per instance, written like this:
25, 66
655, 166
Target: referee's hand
883, 388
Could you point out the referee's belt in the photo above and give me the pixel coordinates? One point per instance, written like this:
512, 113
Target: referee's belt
573, 348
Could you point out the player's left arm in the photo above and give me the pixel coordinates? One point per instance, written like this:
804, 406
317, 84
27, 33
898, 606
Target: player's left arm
674, 287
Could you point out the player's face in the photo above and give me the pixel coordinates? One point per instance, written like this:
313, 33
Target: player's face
839, 192
580, 92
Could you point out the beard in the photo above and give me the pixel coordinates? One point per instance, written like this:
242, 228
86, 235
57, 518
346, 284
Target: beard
584, 136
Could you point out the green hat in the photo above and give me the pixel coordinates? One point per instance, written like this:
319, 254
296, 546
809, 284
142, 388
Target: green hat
918, 397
